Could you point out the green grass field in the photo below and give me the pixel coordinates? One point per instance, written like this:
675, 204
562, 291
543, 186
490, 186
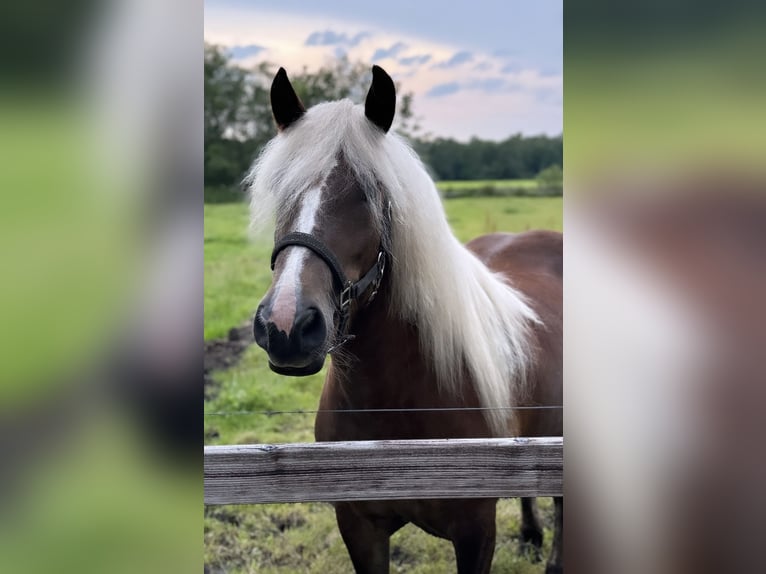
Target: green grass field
481, 183
490, 188
487, 183
298, 538
236, 268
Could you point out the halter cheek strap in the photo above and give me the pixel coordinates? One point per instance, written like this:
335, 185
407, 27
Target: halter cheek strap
346, 290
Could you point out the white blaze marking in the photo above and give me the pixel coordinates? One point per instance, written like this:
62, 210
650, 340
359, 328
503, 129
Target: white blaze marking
285, 300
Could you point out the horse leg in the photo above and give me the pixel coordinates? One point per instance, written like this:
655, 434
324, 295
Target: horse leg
556, 560
531, 530
367, 540
474, 541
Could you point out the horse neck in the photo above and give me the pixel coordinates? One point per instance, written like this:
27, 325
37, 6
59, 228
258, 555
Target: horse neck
383, 366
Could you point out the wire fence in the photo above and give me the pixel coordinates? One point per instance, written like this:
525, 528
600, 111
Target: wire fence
374, 411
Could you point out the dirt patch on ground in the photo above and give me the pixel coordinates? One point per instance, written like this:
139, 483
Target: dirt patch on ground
225, 353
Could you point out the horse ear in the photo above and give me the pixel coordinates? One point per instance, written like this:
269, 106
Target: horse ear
380, 105
285, 103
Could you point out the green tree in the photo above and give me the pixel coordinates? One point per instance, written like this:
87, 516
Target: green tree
550, 181
516, 157
237, 118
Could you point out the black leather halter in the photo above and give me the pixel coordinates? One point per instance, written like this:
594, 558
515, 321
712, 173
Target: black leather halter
345, 289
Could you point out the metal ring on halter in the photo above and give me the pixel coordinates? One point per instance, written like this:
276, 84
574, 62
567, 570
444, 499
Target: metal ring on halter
381, 265
345, 297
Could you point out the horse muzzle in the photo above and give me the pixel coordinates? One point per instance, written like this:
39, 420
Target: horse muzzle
299, 352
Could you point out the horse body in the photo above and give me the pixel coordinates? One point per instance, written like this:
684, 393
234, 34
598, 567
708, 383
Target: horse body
388, 371
534, 262
384, 367
445, 326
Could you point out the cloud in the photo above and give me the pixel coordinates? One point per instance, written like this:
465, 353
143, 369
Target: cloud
503, 52
241, 52
483, 66
490, 85
415, 60
515, 86
456, 59
511, 68
392, 52
548, 96
443, 90
330, 38
549, 72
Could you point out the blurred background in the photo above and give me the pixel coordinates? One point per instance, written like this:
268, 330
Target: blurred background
100, 304
665, 221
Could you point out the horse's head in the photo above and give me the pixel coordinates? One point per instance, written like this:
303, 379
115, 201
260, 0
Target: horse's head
330, 240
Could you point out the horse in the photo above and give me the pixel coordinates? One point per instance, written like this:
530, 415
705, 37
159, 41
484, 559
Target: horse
366, 269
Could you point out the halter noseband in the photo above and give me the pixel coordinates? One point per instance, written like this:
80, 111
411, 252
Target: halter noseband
346, 290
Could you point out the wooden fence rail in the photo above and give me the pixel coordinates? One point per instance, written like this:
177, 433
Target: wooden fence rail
383, 470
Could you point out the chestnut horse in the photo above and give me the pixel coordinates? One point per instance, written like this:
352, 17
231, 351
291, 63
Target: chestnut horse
366, 269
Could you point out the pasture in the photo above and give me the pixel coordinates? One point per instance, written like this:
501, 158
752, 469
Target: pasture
488, 187
304, 538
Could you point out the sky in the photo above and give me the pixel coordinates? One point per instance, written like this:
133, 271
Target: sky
486, 68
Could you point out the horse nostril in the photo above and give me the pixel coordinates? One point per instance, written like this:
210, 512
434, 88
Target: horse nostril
259, 329
310, 329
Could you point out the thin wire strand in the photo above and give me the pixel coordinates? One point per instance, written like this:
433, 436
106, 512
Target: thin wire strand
357, 411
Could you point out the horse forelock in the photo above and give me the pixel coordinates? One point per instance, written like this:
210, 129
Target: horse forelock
470, 320
303, 156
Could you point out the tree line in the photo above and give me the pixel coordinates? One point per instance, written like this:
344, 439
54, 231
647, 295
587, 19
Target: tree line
238, 123
517, 157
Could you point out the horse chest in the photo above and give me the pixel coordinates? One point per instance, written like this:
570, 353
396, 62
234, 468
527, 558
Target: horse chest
379, 409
